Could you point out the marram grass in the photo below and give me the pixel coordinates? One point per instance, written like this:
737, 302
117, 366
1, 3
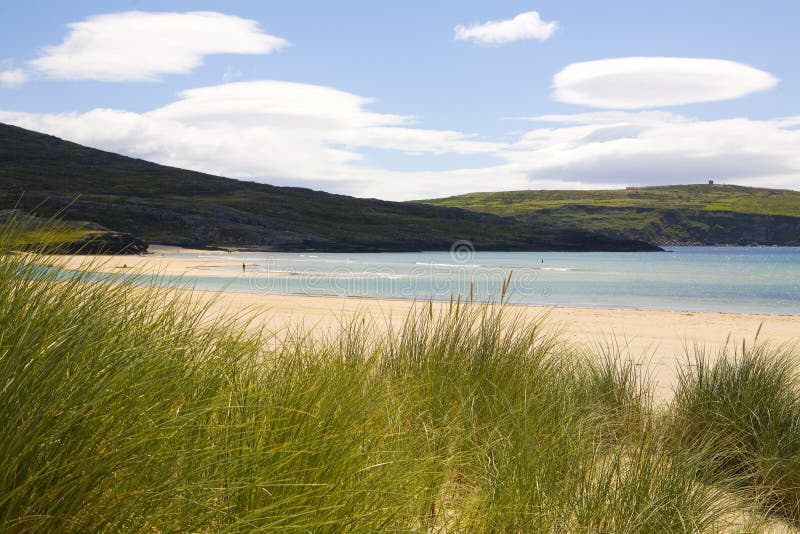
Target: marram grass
124, 409
743, 406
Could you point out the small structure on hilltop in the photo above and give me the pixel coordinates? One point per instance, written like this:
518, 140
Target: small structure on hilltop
711, 182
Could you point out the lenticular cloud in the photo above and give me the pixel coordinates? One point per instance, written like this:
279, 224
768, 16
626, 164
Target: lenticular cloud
650, 82
140, 46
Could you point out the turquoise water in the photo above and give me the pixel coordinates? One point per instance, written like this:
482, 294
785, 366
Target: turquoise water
728, 279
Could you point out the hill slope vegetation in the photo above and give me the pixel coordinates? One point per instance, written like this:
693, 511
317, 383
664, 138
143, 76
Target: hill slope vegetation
162, 204
666, 215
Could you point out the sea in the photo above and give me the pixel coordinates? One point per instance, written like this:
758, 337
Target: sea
721, 279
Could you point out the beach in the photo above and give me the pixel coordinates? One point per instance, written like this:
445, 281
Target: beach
660, 341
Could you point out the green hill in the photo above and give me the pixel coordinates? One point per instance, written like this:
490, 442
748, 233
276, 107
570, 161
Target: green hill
680, 214
166, 205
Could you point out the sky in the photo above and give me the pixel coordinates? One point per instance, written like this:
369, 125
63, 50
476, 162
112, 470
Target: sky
418, 99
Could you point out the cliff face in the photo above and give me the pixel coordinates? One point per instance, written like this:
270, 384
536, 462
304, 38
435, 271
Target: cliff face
681, 227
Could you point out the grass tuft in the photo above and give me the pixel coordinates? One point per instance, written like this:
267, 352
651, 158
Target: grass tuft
743, 407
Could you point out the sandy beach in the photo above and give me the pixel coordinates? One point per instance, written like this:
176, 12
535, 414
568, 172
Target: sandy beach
657, 339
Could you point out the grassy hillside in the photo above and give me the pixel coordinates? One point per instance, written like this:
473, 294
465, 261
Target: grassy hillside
692, 214
706, 197
167, 205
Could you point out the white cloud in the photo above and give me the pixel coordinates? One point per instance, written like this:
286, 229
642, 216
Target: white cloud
13, 77
649, 82
266, 130
524, 26
676, 150
612, 117
141, 46
315, 136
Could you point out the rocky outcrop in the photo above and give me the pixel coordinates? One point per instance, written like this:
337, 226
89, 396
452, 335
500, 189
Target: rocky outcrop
57, 236
104, 243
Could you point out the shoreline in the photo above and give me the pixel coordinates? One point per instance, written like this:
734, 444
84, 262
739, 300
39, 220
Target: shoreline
494, 303
220, 265
658, 339
664, 247
514, 304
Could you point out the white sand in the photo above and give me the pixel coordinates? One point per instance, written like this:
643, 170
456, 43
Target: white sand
657, 339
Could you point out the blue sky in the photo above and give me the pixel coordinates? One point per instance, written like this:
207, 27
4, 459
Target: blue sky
384, 99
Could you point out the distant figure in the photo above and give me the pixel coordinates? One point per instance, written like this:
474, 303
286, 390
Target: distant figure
542, 260
711, 182
243, 267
